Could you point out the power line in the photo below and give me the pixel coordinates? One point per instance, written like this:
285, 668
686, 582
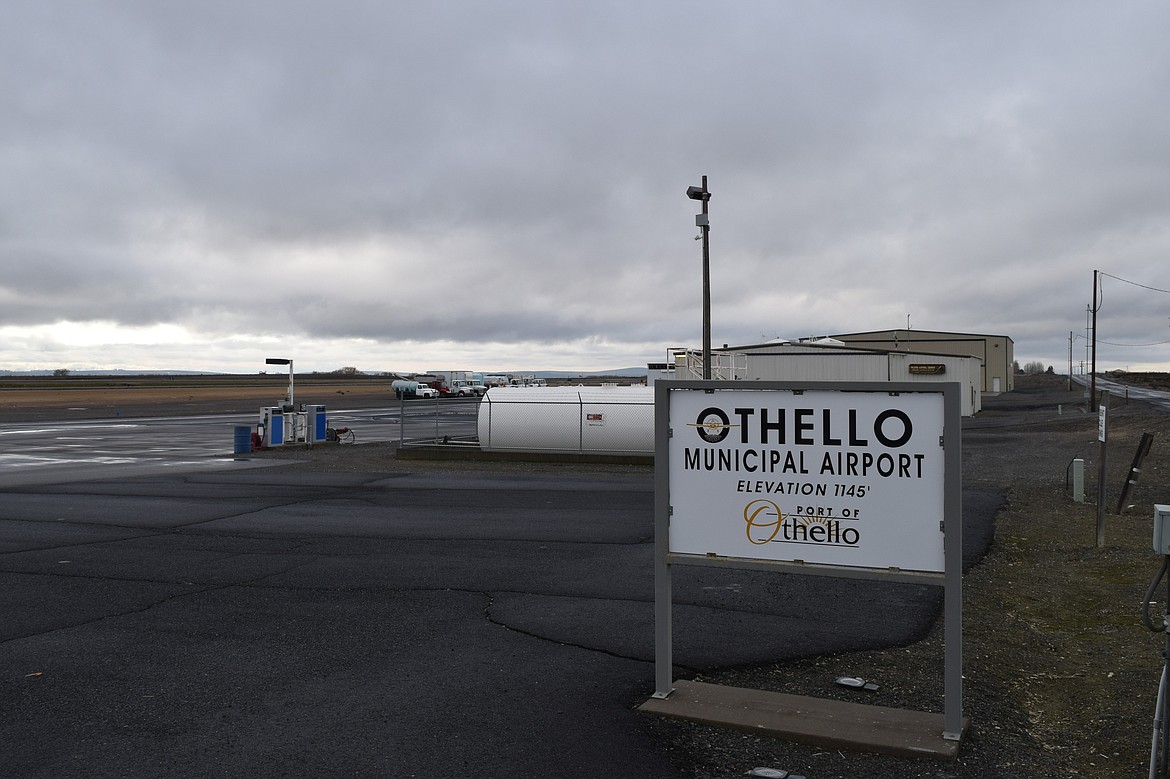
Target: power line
1143, 286
1098, 301
1156, 343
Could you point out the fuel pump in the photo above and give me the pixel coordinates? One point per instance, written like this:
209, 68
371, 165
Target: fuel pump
314, 423
286, 424
272, 426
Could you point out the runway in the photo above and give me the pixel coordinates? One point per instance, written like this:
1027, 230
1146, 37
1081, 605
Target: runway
41, 453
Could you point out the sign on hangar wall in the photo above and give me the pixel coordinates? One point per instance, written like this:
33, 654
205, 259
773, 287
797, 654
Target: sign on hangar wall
820, 476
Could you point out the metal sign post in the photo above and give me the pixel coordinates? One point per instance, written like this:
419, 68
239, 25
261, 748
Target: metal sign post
1101, 435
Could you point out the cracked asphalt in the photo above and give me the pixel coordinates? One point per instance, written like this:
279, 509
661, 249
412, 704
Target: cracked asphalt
272, 622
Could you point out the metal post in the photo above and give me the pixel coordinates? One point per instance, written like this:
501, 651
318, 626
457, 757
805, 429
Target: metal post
1101, 435
706, 286
663, 633
488, 399
953, 568
289, 363
702, 194
1166, 656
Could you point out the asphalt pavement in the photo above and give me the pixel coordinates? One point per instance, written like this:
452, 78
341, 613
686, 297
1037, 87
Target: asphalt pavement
1159, 399
75, 450
256, 621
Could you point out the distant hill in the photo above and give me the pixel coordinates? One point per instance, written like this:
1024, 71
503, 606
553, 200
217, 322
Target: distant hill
624, 372
115, 373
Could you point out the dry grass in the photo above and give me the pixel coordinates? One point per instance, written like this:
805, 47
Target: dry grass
1054, 619
21, 405
160, 396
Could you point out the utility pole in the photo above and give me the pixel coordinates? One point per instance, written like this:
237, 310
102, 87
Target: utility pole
1093, 367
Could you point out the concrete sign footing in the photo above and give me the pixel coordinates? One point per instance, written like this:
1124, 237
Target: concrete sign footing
825, 723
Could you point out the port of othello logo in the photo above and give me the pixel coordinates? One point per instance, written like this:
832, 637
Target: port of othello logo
764, 518
765, 523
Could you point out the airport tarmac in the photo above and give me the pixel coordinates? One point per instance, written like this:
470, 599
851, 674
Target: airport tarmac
45, 452
177, 613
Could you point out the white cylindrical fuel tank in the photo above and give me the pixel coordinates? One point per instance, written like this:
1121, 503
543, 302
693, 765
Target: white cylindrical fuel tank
594, 420
403, 387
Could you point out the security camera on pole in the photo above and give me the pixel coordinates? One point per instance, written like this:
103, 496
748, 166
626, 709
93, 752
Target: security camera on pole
704, 225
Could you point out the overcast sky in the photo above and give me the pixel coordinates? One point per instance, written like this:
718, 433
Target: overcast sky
405, 186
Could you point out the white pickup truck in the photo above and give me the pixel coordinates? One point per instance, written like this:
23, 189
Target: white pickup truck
462, 388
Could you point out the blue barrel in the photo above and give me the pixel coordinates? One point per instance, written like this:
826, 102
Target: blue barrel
243, 439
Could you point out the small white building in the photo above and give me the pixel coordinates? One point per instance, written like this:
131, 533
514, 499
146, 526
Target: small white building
827, 360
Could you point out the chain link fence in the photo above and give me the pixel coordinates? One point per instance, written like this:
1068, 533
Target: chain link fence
430, 421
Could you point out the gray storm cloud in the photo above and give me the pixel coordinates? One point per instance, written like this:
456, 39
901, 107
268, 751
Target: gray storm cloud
511, 175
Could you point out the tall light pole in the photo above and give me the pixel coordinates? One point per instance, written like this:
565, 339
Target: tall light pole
704, 224
289, 363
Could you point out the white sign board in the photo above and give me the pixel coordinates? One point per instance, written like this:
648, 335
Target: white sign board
849, 478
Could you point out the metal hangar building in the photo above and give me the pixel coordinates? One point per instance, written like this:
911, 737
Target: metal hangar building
996, 352
833, 359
